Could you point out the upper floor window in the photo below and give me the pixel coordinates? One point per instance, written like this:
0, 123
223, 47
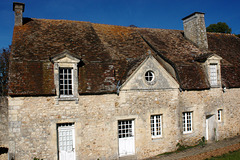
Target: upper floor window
66, 81
213, 68
149, 76
213, 74
66, 76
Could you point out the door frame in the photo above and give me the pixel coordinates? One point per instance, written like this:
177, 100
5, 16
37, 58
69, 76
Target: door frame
133, 133
65, 126
210, 120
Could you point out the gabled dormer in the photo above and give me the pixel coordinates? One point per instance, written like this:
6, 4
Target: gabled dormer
213, 70
66, 76
150, 75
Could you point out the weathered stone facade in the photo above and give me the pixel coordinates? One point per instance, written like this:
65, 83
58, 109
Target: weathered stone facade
3, 127
94, 91
33, 121
195, 30
3, 122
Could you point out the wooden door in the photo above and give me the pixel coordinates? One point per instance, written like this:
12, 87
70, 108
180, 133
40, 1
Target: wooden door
126, 137
66, 142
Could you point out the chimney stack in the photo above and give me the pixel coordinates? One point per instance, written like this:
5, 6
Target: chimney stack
18, 8
195, 29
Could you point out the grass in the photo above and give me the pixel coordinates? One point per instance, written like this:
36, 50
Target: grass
235, 155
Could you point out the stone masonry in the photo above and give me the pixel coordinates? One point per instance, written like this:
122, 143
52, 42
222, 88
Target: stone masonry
33, 121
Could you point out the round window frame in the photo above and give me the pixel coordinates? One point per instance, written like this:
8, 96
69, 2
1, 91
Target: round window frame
153, 77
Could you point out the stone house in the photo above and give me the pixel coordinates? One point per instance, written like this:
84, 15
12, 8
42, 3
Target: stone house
80, 90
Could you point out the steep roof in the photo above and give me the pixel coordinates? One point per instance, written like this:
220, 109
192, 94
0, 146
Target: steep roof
110, 54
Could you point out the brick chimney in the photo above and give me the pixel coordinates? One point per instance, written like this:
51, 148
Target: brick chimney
18, 8
195, 29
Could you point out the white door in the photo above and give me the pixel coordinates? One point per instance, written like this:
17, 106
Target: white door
66, 141
126, 137
210, 127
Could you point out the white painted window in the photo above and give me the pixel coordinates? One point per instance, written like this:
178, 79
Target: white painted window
125, 128
213, 74
66, 81
220, 115
149, 76
156, 126
187, 122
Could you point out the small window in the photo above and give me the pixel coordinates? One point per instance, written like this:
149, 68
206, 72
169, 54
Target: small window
187, 122
156, 126
149, 76
66, 81
213, 74
220, 115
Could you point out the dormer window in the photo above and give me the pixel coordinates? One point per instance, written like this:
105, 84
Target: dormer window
213, 74
213, 68
66, 76
66, 81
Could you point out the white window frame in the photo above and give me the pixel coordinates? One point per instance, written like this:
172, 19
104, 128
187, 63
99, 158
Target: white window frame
149, 76
213, 70
213, 74
67, 88
219, 113
187, 119
156, 125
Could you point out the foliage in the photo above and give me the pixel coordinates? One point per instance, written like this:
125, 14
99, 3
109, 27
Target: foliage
238, 35
4, 62
220, 27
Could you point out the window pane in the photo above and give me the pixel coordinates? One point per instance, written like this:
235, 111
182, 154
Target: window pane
156, 125
213, 74
187, 121
65, 81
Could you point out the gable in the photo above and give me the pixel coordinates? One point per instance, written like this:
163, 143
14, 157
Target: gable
160, 79
65, 57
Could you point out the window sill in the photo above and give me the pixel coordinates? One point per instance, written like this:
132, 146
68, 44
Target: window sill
187, 132
67, 98
157, 138
215, 86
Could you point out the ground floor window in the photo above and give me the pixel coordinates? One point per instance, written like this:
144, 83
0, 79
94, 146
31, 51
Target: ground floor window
220, 115
156, 126
187, 122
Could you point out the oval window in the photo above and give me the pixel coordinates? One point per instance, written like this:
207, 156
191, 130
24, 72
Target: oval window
149, 76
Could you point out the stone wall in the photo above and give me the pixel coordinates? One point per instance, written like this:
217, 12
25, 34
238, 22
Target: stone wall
3, 122
3, 128
33, 121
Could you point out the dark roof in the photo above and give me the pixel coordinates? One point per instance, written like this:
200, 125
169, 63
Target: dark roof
110, 54
227, 46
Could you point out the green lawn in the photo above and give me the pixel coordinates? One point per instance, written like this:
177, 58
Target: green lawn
229, 156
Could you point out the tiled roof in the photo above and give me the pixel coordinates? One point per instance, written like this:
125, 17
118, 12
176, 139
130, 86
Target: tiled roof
110, 54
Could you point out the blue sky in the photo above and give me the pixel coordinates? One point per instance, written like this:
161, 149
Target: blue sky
142, 13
